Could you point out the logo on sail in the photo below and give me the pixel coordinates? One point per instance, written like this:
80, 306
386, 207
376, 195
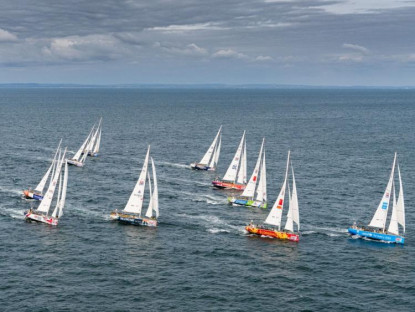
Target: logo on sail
384, 205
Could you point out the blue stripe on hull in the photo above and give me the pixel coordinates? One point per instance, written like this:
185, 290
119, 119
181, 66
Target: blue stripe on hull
389, 238
37, 197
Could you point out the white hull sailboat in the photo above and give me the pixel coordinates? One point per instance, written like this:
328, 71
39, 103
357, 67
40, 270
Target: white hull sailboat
211, 157
80, 156
272, 224
235, 176
132, 212
41, 214
256, 184
37, 193
376, 230
94, 143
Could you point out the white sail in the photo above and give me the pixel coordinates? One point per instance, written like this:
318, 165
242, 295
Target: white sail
54, 163
208, 155
97, 143
379, 218
149, 212
393, 225
55, 211
47, 198
293, 211
39, 188
294, 203
230, 174
274, 217
251, 186
92, 140
242, 177
135, 202
155, 190
262, 184
289, 225
78, 154
400, 205
217, 152
64, 187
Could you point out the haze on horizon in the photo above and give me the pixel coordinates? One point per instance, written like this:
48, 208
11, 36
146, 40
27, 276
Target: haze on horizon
310, 42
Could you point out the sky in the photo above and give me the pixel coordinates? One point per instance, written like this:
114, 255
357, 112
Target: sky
288, 42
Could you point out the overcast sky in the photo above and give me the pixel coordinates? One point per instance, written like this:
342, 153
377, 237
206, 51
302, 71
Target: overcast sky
316, 42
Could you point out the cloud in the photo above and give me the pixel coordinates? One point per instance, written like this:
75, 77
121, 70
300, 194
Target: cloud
365, 6
191, 49
262, 58
228, 54
356, 47
6, 36
186, 27
84, 48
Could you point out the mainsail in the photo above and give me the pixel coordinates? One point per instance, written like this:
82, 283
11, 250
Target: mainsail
232, 171
212, 150
274, 217
47, 199
39, 188
293, 215
398, 209
379, 218
135, 202
250, 187
262, 184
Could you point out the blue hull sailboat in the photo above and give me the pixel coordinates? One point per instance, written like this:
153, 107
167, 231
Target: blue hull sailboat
376, 228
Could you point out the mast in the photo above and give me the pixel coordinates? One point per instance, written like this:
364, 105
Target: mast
379, 218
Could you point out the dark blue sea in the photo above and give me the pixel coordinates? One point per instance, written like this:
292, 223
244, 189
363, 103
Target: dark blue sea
342, 143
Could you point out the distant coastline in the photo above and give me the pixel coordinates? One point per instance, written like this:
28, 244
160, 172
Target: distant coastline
187, 86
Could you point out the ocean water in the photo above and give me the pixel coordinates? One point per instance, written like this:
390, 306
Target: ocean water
200, 258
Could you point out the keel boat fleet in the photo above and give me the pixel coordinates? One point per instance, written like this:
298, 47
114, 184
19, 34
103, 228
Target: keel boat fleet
254, 193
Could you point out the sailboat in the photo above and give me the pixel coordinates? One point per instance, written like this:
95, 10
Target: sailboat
272, 224
37, 193
92, 148
41, 214
235, 176
255, 185
211, 157
376, 228
80, 156
132, 212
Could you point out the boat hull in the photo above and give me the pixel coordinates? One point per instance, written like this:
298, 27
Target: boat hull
31, 195
272, 233
31, 216
74, 162
133, 219
195, 166
228, 185
381, 237
234, 201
